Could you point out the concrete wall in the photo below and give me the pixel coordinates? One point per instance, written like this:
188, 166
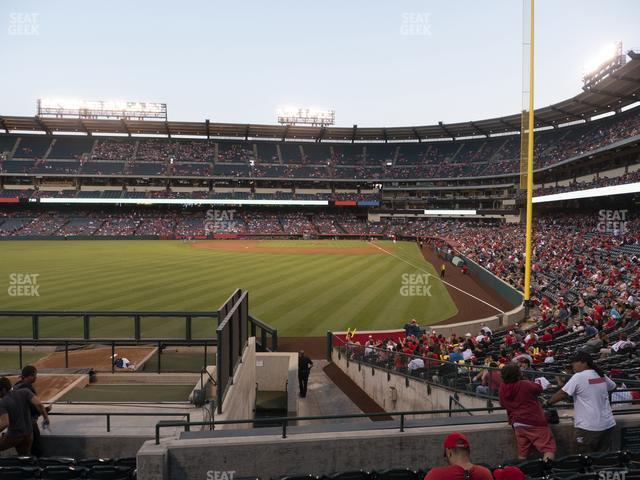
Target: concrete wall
278, 372
270, 456
79, 446
473, 326
395, 392
240, 399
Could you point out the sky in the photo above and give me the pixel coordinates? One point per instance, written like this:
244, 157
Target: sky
376, 63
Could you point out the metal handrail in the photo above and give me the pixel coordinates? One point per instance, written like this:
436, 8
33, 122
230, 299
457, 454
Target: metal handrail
108, 415
454, 400
285, 421
439, 362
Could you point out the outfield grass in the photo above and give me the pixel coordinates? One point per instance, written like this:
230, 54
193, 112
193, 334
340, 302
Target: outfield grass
11, 360
300, 294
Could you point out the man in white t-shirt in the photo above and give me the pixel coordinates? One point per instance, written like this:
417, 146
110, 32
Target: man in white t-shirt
593, 419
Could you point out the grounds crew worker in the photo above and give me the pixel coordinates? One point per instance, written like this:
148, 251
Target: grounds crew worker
304, 368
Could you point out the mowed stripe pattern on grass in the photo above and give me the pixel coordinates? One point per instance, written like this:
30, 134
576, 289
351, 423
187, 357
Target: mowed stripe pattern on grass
300, 294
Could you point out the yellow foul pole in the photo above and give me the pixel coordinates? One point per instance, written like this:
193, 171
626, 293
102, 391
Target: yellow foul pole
529, 226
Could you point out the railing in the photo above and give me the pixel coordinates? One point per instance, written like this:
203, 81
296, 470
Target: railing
443, 373
87, 316
235, 326
261, 330
108, 415
68, 345
401, 425
453, 400
263, 333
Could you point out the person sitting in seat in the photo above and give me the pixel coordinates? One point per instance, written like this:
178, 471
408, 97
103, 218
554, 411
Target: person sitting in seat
457, 454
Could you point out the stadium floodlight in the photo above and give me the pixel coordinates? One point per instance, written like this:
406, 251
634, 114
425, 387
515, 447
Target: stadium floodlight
306, 116
603, 64
121, 109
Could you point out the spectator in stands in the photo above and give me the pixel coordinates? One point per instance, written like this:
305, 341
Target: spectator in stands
595, 344
485, 329
520, 398
457, 452
28, 378
416, 363
509, 473
304, 369
455, 356
623, 344
412, 329
15, 416
593, 418
491, 381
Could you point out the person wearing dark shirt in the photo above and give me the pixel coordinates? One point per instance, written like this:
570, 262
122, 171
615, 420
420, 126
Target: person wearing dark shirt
304, 368
15, 417
457, 452
412, 329
28, 378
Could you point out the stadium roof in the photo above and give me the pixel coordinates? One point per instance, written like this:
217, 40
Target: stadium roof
620, 89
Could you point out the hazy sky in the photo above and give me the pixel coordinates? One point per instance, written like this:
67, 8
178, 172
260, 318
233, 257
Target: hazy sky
377, 63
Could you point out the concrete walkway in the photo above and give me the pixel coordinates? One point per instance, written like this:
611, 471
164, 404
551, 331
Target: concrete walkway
325, 398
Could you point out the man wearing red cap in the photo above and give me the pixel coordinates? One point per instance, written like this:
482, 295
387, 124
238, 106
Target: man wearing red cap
457, 452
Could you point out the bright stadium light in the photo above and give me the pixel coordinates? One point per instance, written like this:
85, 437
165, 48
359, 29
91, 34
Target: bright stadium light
607, 53
306, 116
89, 109
603, 64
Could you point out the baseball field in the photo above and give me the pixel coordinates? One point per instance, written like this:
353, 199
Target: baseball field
301, 287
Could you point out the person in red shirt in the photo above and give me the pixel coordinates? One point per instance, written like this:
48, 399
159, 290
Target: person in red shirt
547, 337
520, 398
457, 452
508, 339
509, 473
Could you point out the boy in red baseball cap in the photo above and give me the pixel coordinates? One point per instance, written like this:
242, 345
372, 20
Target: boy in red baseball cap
457, 451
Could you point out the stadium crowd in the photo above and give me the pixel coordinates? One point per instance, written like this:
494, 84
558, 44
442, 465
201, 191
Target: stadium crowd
461, 158
604, 181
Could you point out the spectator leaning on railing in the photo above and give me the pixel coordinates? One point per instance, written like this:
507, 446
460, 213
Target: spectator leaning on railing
520, 398
593, 418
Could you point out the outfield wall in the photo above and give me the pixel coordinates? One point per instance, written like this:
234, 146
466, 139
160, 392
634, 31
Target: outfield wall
502, 288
